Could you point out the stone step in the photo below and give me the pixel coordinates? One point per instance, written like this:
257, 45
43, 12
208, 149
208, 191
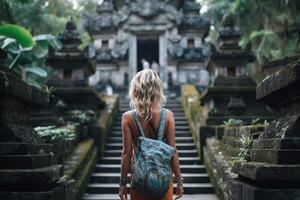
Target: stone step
104, 180
113, 188
180, 146
115, 168
114, 178
173, 109
178, 140
182, 153
177, 118
178, 133
182, 160
116, 197
177, 128
176, 114
177, 123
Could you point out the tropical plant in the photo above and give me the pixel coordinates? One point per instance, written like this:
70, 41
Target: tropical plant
26, 54
246, 143
233, 122
83, 117
52, 133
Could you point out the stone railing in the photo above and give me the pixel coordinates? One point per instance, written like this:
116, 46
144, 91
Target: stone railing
28, 167
226, 146
195, 113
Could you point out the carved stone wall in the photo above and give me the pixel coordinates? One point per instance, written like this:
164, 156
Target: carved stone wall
122, 23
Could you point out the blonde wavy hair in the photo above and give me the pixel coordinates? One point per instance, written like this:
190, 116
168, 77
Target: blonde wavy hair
145, 91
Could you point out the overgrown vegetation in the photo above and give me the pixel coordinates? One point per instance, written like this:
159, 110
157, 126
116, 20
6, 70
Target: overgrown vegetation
270, 26
46, 16
26, 54
246, 143
53, 133
83, 117
233, 122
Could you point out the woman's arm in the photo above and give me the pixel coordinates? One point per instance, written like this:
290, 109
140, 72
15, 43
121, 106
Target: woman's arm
170, 135
127, 145
126, 153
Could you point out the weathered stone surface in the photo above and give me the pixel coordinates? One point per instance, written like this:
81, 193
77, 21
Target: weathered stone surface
281, 90
267, 172
17, 98
24, 149
276, 156
59, 192
245, 191
47, 175
287, 126
274, 170
82, 98
277, 143
26, 93
26, 161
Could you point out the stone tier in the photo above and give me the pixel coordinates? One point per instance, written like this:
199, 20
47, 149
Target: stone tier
233, 101
274, 168
80, 98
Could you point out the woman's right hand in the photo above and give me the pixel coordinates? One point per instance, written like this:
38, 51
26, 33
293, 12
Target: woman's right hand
123, 192
179, 191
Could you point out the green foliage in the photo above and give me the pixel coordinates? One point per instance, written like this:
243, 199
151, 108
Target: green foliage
52, 133
270, 26
26, 54
20, 34
233, 122
246, 143
83, 117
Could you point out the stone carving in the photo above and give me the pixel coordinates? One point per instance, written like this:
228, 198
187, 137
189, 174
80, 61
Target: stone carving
121, 46
193, 54
191, 17
273, 167
71, 32
111, 19
104, 55
15, 111
175, 49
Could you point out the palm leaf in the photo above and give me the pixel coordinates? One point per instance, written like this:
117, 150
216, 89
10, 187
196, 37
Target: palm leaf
20, 34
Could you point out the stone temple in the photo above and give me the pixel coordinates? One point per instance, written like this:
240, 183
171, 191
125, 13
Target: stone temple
170, 33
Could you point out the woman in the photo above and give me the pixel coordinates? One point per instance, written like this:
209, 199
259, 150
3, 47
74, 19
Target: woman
147, 97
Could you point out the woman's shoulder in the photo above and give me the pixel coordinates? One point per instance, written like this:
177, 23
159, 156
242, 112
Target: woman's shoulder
169, 113
127, 115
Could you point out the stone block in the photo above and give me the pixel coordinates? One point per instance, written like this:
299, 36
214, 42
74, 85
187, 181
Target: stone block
26, 161
267, 172
46, 175
247, 191
275, 156
277, 143
58, 192
24, 149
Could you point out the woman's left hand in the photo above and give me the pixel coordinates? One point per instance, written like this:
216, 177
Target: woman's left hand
179, 191
123, 192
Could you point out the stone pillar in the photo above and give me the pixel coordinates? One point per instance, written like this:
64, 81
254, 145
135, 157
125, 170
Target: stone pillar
163, 62
132, 56
28, 170
273, 172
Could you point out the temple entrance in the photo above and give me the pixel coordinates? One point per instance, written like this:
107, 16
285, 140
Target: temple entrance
147, 49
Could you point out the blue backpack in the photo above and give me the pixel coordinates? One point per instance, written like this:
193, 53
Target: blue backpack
152, 167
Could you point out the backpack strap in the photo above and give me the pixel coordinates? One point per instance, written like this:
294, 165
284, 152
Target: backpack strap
137, 121
161, 124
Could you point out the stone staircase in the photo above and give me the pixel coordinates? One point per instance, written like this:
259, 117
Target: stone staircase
104, 181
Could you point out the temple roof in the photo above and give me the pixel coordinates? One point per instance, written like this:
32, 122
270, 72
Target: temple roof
70, 56
227, 48
113, 14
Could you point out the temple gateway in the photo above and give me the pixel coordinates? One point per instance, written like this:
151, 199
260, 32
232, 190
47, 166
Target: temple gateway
169, 34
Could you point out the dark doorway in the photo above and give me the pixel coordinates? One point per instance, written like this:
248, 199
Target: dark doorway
148, 49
